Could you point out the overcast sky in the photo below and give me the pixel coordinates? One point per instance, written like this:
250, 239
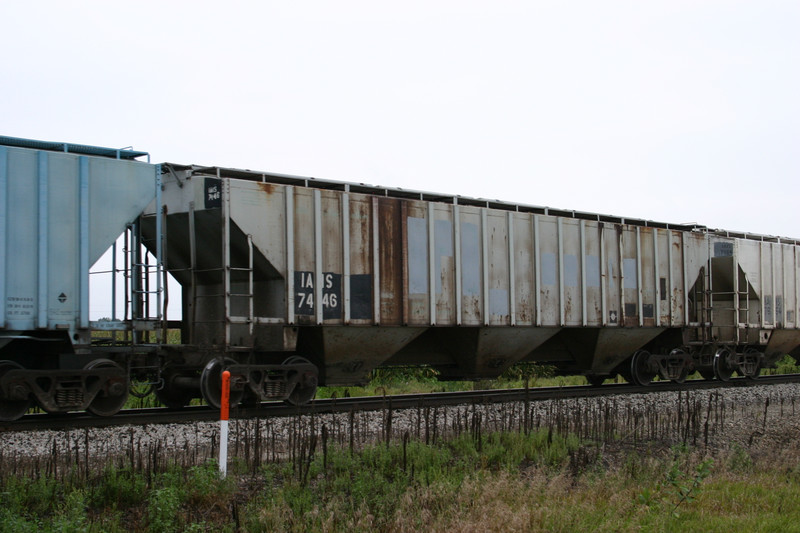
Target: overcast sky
678, 111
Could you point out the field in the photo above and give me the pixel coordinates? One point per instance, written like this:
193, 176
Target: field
507, 481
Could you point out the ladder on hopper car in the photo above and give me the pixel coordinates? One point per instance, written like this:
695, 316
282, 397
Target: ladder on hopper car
146, 283
722, 308
227, 270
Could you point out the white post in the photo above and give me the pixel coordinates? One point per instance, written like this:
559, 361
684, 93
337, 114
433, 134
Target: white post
223, 423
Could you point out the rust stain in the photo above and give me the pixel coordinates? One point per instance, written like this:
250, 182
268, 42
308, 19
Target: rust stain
390, 239
524, 310
360, 237
268, 188
404, 260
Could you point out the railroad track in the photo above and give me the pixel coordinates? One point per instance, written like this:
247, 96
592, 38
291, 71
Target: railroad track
38, 422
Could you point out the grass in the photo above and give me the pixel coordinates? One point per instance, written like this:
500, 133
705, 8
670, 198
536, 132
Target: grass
116, 500
500, 481
411, 380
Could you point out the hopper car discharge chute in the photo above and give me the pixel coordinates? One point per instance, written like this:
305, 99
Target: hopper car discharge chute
292, 282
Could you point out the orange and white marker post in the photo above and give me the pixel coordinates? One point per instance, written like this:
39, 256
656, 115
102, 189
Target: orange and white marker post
223, 423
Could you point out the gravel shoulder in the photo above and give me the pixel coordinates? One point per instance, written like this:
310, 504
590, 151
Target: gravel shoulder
761, 419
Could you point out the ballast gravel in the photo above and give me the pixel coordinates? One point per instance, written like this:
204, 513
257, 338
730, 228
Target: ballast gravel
754, 417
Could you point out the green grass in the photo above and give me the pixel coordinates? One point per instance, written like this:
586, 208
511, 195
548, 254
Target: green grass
374, 487
117, 499
501, 481
423, 379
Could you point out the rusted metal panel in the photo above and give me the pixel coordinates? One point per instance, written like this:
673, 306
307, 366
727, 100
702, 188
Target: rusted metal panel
749, 259
258, 209
332, 257
417, 241
796, 291
649, 268
549, 276
304, 256
524, 275
496, 264
765, 282
629, 262
392, 260
592, 276
789, 288
444, 265
512, 290
785, 300
457, 265
303, 229
471, 266
361, 274
612, 275
571, 271
662, 284
677, 273
770, 296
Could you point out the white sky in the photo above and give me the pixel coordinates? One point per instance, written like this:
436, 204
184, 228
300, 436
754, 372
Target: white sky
677, 111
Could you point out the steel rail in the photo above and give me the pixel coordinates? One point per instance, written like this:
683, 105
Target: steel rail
160, 415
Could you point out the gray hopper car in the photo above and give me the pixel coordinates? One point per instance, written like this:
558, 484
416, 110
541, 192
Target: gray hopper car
291, 282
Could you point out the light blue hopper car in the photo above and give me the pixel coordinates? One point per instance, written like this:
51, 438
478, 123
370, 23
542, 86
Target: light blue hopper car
291, 282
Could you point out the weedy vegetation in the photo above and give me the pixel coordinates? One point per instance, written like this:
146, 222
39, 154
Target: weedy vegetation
574, 465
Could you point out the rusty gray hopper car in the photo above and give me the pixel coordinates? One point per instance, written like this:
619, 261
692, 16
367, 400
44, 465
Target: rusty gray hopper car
291, 282
351, 277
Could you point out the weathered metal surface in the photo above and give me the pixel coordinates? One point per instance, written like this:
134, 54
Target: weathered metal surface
346, 355
59, 212
338, 255
472, 353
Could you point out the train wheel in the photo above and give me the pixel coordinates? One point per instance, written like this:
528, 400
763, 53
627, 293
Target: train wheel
682, 377
169, 394
12, 409
211, 383
675, 368
751, 364
677, 361
114, 394
306, 388
723, 369
641, 372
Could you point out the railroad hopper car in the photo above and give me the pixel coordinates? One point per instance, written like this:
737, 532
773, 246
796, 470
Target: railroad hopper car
291, 282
